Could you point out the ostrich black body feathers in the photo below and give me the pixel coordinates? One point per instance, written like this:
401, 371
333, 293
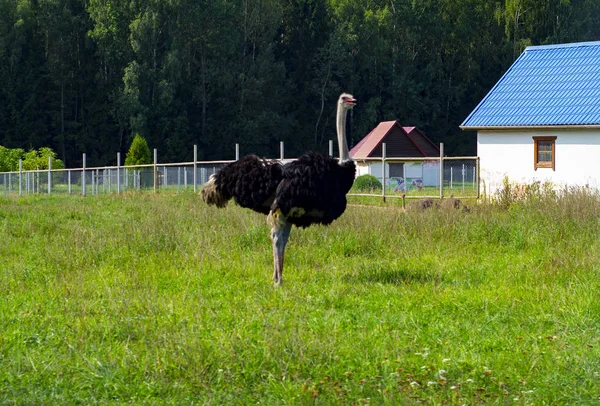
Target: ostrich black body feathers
251, 182
312, 189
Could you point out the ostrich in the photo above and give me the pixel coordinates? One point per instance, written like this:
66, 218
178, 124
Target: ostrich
309, 190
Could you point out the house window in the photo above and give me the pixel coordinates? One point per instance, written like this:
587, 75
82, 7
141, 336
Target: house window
397, 170
544, 152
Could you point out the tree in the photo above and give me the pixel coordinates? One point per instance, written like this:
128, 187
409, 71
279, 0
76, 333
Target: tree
79, 76
9, 159
139, 153
38, 159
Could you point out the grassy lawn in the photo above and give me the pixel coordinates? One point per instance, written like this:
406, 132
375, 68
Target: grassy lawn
159, 299
428, 191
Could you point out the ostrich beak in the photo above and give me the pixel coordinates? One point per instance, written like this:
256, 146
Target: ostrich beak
350, 102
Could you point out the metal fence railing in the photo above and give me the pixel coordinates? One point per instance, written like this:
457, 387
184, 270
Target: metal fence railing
110, 179
94, 181
431, 177
422, 177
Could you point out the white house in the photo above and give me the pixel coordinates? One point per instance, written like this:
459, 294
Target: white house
401, 142
541, 121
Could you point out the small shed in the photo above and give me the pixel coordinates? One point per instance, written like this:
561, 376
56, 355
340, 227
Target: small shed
401, 142
541, 121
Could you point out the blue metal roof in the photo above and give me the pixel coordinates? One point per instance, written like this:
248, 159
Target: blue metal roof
547, 85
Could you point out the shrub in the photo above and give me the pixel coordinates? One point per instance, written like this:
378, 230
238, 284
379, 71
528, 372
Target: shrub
39, 159
366, 183
139, 153
9, 158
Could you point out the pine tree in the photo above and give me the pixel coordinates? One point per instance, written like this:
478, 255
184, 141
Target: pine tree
139, 153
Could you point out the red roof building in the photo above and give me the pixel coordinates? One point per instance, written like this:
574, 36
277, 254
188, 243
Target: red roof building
401, 142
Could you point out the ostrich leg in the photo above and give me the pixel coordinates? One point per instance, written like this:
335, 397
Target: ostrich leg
280, 233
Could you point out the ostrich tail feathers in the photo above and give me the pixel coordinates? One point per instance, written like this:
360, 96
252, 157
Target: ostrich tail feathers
211, 195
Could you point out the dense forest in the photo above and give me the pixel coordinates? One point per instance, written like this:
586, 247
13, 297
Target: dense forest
86, 75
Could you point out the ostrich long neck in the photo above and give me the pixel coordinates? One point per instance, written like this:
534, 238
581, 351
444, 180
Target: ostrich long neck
341, 133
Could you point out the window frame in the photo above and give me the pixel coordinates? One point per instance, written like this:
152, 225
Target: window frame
550, 164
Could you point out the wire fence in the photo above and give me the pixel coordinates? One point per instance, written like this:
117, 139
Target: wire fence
431, 177
422, 177
93, 181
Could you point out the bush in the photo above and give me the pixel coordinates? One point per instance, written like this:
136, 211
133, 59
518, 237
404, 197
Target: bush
139, 153
9, 158
366, 183
39, 159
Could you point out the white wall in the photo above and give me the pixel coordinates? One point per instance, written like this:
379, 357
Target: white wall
362, 168
510, 153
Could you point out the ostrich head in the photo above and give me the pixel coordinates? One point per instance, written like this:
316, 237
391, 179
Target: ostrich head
345, 102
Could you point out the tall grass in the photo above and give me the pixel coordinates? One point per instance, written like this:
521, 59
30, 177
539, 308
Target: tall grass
158, 299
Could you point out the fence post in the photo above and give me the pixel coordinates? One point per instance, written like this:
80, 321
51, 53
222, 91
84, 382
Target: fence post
331, 148
69, 180
49, 174
155, 170
20, 177
195, 167
281, 150
118, 173
83, 176
383, 152
237, 152
441, 170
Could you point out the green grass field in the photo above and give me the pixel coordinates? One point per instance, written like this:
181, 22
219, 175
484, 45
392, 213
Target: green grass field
159, 299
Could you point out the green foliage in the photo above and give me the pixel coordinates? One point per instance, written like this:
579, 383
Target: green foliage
9, 158
511, 193
219, 72
139, 152
38, 159
366, 183
141, 298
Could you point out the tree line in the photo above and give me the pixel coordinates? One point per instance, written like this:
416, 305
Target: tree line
85, 75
